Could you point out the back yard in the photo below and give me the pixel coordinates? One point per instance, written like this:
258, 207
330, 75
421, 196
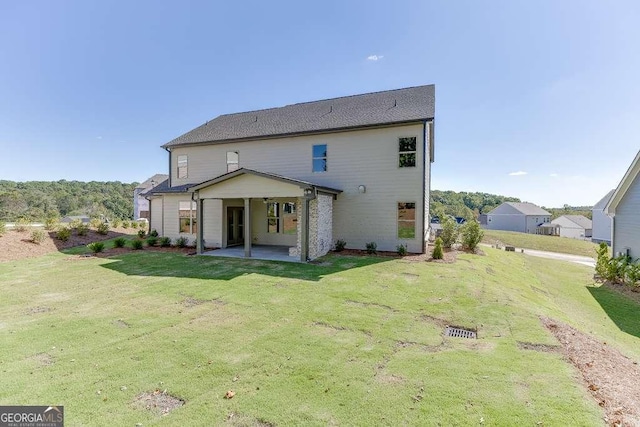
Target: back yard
541, 243
352, 340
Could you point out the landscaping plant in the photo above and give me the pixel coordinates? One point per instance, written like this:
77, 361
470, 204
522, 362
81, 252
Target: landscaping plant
51, 223
96, 247
182, 242
165, 242
152, 240
119, 242
137, 244
103, 228
141, 234
372, 248
401, 249
449, 233
21, 225
438, 253
602, 263
37, 236
340, 245
153, 233
472, 234
63, 234
82, 229
3, 228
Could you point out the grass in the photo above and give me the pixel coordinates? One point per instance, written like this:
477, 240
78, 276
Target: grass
353, 341
542, 243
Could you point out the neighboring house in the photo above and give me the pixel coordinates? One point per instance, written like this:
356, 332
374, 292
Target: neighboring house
140, 203
520, 217
356, 168
601, 221
82, 218
624, 207
573, 226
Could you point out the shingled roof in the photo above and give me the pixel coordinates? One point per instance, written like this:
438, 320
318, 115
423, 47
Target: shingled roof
406, 105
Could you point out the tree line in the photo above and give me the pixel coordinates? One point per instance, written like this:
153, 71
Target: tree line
39, 200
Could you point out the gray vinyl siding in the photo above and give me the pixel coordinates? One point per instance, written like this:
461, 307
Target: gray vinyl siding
601, 226
627, 221
570, 229
212, 219
364, 157
515, 222
157, 214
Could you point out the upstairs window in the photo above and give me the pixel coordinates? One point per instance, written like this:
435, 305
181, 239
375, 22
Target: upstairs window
320, 158
187, 217
182, 166
233, 161
406, 220
407, 152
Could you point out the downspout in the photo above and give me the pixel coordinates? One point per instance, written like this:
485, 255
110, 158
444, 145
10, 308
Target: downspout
169, 151
150, 213
425, 213
199, 222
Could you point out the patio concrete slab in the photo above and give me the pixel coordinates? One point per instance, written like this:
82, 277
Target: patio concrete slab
258, 252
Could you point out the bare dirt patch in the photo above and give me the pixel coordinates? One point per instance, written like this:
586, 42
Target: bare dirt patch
43, 359
246, 421
158, 402
38, 310
370, 304
547, 348
121, 323
612, 378
15, 245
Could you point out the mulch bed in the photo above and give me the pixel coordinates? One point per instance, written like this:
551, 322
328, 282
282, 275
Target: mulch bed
450, 255
612, 378
118, 251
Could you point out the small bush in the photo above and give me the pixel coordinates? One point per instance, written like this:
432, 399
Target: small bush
152, 241
141, 234
96, 247
137, 244
372, 248
63, 234
438, 253
82, 230
602, 264
37, 236
75, 224
401, 249
153, 233
103, 228
449, 233
3, 228
125, 224
51, 223
134, 225
116, 223
95, 223
472, 234
182, 242
340, 245
632, 274
119, 242
165, 242
21, 225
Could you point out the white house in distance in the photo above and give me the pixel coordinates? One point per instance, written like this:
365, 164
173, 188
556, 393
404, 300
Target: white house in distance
601, 221
140, 204
573, 226
624, 208
356, 168
520, 217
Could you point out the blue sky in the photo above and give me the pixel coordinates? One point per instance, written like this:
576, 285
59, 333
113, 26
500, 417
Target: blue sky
537, 100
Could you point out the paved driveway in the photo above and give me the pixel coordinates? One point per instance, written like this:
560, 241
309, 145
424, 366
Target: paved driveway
578, 259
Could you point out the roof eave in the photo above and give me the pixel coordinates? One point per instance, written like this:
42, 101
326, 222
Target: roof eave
621, 189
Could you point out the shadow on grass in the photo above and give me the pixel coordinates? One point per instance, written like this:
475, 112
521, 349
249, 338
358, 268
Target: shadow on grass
621, 309
163, 264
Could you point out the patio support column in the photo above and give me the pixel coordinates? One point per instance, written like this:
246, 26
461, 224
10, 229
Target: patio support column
200, 226
304, 228
247, 228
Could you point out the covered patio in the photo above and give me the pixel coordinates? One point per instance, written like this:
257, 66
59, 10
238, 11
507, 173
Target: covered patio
258, 252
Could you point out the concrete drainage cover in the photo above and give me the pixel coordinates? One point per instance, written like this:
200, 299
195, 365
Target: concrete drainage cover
460, 333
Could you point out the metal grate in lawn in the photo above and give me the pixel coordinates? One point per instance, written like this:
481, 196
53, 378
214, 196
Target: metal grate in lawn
460, 333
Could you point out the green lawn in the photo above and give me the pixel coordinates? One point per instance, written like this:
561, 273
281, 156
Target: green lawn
542, 243
354, 341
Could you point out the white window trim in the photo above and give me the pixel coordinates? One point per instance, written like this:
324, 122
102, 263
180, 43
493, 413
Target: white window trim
325, 158
407, 152
192, 209
186, 161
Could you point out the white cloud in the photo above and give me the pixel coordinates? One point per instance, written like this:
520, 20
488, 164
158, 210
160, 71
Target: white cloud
374, 57
553, 174
519, 173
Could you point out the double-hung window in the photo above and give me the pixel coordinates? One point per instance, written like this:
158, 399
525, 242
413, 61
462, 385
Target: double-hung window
320, 158
273, 217
407, 152
182, 166
187, 217
233, 161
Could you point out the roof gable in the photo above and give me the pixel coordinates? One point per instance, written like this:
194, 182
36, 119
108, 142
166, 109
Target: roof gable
372, 109
603, 202
573, 221
514, 208
624, 185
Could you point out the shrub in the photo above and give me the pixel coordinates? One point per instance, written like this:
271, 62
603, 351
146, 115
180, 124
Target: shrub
372, 248
96, 247
182, 242
632, 274
165, 242
152, 241
51, 223
116, 223
37, 236
82, 230
153, 233
137, 244
125, 224
21, 225
616, 268
3, 228
472, 234
401, 249
141, 234
602, 264
75, 224
63, 234
340, 245
134, 225
119, 242
103, 228
95, 223
449, 233
438, 253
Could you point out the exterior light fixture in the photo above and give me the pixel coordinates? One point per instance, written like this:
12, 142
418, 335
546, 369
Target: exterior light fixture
362, 189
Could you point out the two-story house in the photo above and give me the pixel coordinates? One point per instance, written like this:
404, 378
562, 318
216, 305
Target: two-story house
520, 217
356, 168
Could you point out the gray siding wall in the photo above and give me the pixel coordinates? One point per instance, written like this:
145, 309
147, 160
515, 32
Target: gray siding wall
157, 216
366, 157
627, 222
601, 226
516, 222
